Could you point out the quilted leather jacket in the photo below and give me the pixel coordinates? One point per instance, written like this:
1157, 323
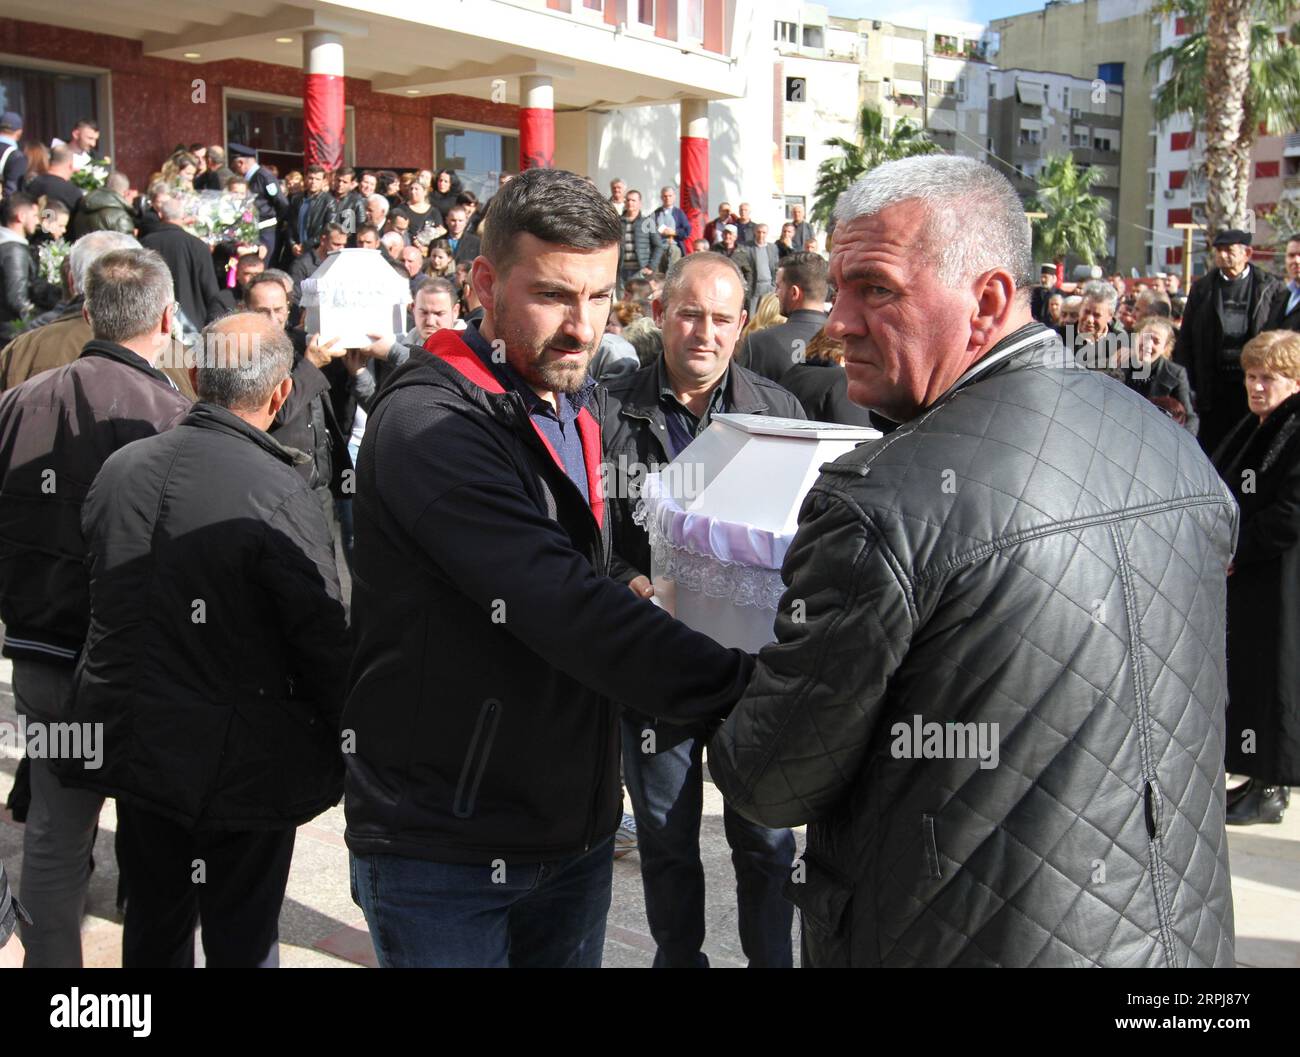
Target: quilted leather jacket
997, 692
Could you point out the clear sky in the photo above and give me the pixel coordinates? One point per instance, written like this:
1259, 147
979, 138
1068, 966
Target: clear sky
914, 13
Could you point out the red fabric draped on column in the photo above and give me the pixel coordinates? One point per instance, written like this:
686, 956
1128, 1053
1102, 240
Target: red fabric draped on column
695, 183
323, 119
536, 138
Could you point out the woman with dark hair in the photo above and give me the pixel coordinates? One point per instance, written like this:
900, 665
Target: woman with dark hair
425, 218
821, 385
1260, 461
446, 186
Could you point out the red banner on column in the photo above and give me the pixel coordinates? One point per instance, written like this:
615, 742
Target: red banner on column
695, 183
322, 111
536, 138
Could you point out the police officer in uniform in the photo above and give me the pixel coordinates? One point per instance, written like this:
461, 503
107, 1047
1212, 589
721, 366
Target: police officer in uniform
272, 203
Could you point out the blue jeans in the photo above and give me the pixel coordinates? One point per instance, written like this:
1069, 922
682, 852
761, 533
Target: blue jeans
667, 791
447, 915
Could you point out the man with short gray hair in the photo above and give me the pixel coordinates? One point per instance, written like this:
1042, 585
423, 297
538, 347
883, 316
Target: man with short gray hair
240, 726
56, 431
60, 341
997, 690
190, 262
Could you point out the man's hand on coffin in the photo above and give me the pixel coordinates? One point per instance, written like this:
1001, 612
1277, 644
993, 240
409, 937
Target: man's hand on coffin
641, 586
320, 354
356, 361
380, 346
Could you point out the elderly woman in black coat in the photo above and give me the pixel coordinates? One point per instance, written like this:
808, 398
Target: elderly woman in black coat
1260, 461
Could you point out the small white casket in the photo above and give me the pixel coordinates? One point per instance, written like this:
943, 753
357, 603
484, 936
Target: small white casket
355, 293
723, 513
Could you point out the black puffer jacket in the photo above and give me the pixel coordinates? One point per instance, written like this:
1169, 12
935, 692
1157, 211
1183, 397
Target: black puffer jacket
490, 641
1043, 550
218, 646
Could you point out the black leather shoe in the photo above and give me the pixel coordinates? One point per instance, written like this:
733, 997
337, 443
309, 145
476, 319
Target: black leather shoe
1238, 792
1263, 804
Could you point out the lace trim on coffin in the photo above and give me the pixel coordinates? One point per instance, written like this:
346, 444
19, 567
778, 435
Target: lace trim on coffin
742, 585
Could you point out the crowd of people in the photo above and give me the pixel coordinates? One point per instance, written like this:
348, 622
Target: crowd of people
500, 673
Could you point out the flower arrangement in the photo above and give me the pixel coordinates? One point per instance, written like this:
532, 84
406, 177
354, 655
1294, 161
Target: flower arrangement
51, 256
93, 176
220, 216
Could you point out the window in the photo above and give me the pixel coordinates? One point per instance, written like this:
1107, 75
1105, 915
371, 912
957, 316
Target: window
812, 37
51, 103
645, 12
945, 45
1265, 169
1111, 72
1177, 177
692, 13
942, 87
796, 89
790, 202
1180, 141
1102, 143
1080, 139
1030, 137
786, 32
477, 156
1173, 255
1182, 26
1180, 216
794, 148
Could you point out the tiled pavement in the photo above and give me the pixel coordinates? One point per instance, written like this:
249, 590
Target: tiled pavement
321, 926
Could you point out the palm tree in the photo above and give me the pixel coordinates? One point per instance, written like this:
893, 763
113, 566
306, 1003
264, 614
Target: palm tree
1076, 218
1232, 75
839, 172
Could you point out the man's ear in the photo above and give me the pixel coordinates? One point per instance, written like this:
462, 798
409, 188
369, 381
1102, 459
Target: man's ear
657, 309
483, 278
995, 296
193, 373
279, 395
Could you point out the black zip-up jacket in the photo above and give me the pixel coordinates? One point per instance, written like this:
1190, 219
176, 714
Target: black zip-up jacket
56, 430
218, 647
489, 640
635, 431
1200, 336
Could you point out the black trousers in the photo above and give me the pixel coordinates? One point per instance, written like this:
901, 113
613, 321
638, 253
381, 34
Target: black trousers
232, 882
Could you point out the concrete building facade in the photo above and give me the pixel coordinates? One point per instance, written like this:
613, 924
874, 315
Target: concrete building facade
1106, 41
1033, 115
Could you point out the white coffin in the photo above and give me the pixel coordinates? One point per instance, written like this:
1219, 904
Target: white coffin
721, 517
353, 294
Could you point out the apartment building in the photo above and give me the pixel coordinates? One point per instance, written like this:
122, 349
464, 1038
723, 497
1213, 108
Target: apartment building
1033, 115
1106, 42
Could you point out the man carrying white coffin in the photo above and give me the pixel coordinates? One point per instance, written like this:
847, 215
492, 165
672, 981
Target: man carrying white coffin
646, 419
997, 691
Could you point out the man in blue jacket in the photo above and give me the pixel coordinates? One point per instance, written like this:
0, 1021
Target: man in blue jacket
481, 730
673, 227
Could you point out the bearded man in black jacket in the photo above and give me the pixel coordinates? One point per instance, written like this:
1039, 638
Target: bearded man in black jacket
492, 645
